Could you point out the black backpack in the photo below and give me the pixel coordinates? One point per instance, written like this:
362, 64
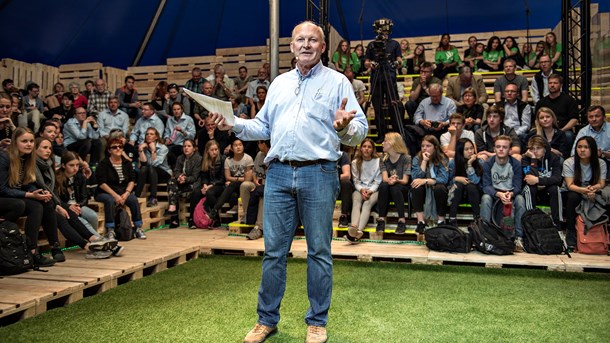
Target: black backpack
540, 234
489, 238
447, 238
122, 224
15, 258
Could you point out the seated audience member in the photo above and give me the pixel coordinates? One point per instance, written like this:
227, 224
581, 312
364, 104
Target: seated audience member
511, 50
81, 135
112, 118
502, 180
546, 127
7, 127
8, 87
597, 128
152, 154
211, 132
128, 98
200, 112
241, 81
34, 106
261, 80
49, 130
345, 192
237, 169
54, 99
79, 100
534, 62
475, 56
406, 53
421, 86
492, 56
99, 98
358, 59
542, 175
584, 175
89, 88
466, 178
175, 96
366, 174
116, 181
223, 85
553, 49
64, 111
146, 121
185, 180
485, 136
457, 85
255, 106
563, 105
472, 43
194, 84
212, 179
540, 82
419, 57
19, 195
159, 98
528, 54
472, 111
255, 204
433, 112
239, 108
447, 58
342, 56
178, 128
508, 78
395, 167
454, 133
517, 113
71, 188
358, 87
430, 173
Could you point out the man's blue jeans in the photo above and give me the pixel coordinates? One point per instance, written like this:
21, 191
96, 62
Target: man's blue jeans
296, 195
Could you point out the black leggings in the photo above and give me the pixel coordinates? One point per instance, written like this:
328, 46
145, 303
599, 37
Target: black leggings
346, 197
472, 193
152, 176
37, 214
232, 188
418, 197
396, 192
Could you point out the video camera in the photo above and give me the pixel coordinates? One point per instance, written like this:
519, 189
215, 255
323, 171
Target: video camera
383, 28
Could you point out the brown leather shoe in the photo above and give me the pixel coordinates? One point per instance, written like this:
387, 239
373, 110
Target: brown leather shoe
316, 334
259, 333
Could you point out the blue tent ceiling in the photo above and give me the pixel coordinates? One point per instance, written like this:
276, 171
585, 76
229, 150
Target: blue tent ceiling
111, 31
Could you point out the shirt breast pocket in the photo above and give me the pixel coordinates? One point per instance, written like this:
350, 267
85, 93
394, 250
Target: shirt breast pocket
322, 106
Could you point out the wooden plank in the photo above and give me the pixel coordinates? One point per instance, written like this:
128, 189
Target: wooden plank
115, 78
80, 72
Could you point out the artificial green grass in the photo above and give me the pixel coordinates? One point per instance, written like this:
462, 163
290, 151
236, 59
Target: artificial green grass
213, 299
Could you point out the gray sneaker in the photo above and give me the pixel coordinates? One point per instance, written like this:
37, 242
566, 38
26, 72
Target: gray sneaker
98, 254
255, 233
117, 251
110, 234
140, 234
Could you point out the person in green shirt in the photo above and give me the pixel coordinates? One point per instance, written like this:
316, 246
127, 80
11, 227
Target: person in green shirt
511, 50
342, 57
447, 58
492, 56
553, 49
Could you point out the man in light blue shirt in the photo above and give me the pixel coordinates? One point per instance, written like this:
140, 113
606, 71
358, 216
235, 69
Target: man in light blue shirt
81, 135
112, 118
308, 113
430, 118
598, 128
148, 119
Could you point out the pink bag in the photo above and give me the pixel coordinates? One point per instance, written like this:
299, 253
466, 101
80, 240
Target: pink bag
200, 217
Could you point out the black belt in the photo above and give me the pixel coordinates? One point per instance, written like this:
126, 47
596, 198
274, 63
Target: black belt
303, 163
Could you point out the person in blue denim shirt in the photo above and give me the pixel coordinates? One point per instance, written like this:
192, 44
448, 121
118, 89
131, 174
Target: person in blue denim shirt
308, 113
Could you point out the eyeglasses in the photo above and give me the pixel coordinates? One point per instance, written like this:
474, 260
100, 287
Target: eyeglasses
116, 147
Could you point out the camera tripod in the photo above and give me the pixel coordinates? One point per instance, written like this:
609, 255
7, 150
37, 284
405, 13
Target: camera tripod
383, 87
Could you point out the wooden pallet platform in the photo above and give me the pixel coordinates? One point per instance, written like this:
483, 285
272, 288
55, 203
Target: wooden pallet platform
28, 294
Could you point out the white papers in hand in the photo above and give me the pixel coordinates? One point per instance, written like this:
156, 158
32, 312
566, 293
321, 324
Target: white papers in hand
214, 105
